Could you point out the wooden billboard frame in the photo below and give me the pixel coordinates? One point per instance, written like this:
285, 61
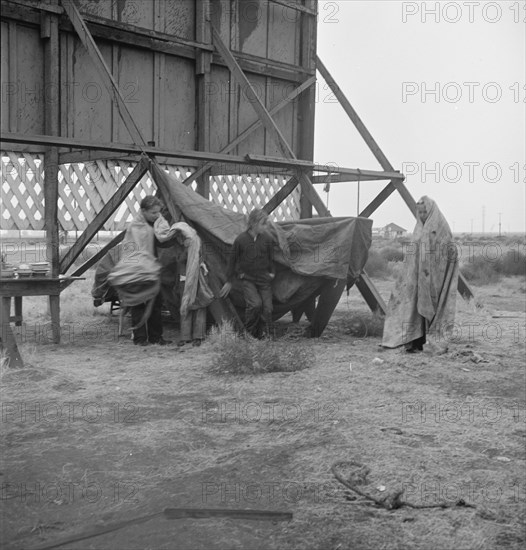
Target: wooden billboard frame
209, 46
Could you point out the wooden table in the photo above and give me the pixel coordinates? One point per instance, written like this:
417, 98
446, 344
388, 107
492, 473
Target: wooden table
28, 286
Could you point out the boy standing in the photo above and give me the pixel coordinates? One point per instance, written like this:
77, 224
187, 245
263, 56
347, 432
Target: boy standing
252, 262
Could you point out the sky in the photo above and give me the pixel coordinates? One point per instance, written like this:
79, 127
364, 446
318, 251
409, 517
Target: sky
441, 88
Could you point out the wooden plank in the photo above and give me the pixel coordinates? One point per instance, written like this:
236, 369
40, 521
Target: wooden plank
233, 144
115, 31
251, 94
10, 137
366, 135
267, 120
370, 294
306, 106
96, 257
283, 25
107, 79
202, 69
52, 127
343, 178
327, 302
378, 200
100, 219
7, 338
281, 195
296, 7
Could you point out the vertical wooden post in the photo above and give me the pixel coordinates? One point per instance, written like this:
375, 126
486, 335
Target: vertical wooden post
203, 62
307, 100
50, 35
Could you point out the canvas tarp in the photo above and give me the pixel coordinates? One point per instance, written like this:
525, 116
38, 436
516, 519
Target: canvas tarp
314, 258
310, 253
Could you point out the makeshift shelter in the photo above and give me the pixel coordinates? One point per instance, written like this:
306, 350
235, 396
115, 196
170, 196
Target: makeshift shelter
315, 257
221, 93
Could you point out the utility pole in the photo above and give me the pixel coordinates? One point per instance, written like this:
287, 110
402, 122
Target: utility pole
472, 226
500, 215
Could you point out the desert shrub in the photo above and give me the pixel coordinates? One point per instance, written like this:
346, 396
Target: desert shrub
377, 265
511, 263
392, 254
480, 271
245, 355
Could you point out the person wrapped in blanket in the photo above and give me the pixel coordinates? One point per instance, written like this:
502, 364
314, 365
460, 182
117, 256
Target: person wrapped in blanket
194, 291
136, 277
424, 298
252, 262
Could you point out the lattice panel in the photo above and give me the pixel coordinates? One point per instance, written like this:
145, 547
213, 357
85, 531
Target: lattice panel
84, 188
242, 193
22, 192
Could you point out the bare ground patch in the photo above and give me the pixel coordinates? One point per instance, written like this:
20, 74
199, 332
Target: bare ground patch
98, 431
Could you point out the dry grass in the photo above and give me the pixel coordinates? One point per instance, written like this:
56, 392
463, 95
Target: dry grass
171, 434
245, 355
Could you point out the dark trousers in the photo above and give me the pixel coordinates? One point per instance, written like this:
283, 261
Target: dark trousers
418, 343
152, 330
258, 312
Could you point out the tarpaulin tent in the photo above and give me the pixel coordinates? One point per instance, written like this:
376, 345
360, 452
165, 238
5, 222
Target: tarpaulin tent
315, 258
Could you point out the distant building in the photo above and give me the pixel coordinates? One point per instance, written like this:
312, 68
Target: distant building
393, 231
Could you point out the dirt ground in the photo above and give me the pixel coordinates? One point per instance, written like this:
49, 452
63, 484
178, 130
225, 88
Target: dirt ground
97, 431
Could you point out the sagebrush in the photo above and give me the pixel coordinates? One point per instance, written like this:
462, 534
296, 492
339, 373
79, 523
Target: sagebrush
242, 354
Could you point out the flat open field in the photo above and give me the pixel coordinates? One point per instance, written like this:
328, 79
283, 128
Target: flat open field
97, 431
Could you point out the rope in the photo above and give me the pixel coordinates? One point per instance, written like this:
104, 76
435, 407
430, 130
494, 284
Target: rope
391, 501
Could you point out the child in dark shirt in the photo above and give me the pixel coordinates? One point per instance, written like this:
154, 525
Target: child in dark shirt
252, 262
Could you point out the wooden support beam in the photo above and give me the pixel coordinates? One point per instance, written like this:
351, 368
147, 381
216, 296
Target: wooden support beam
345, 178
7, 338
104, 72
281, 195
370, 294
203, 63
364, 132
74, 157
295, 7
378, 200
268, 122
50, 35
252, 128
379, 155
98, 256
107, 210
307, 105
94, 259
69, 143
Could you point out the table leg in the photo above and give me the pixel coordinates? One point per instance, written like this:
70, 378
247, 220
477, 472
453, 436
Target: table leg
18, 310
54, 309
8, 341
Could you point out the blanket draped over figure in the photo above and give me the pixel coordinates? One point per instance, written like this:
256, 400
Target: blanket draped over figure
424, 297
